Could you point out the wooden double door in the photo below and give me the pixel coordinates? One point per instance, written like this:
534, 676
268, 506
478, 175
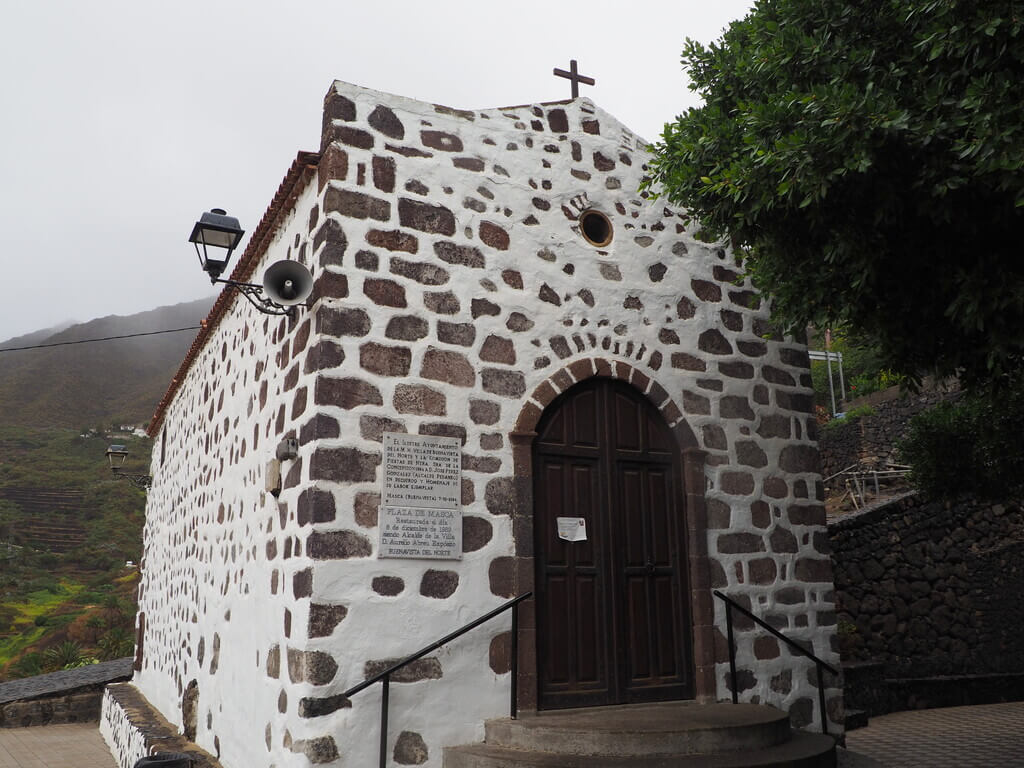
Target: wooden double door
613, 623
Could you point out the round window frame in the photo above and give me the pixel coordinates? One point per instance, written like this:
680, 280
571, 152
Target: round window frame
607, 223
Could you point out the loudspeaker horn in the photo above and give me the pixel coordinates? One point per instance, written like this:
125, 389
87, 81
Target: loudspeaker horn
287, 283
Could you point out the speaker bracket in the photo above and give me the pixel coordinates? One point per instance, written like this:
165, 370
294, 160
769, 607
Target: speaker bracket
254, 294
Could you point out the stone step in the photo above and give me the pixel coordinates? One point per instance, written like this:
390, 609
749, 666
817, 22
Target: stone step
803, 750
679, 734
668, 728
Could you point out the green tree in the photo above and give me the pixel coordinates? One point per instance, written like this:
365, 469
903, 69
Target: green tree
863, 370
867, 157
95, 624
29, 665
970, 446
116, 643
64, 655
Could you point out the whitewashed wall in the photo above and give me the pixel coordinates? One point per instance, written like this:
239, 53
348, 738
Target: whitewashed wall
455, 296
121, 735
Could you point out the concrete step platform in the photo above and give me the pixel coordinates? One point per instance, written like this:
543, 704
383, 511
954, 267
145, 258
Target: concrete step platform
804, 750
671, 728
666, 735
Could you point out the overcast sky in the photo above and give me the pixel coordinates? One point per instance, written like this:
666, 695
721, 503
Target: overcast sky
122, 121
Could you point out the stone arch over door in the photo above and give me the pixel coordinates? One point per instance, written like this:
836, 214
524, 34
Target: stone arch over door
692, 460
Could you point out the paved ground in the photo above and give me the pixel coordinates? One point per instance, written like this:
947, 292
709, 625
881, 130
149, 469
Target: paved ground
76, 745
985, 736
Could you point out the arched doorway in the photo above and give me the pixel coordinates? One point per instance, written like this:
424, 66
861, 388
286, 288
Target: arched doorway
613, 619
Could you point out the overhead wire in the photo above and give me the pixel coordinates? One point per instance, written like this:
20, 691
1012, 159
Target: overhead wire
104, 338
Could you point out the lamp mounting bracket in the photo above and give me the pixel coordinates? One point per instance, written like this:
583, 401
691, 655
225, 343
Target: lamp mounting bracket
145, 482
254, 295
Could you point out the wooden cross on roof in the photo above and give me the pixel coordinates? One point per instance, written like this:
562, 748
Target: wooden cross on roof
574, 77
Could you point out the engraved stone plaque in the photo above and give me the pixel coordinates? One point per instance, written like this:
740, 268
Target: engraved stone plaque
420, 511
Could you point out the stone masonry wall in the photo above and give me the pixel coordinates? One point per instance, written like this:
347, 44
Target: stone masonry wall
456, 296
932, 588
65, 696
77, 707
872, 438
133, 729
126, 742
220, 551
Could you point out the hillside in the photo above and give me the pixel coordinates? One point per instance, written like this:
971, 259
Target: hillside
83, 385
68, 526
67, 529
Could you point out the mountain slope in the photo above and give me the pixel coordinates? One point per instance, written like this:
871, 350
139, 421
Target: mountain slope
82, 385
36, 337
67, 524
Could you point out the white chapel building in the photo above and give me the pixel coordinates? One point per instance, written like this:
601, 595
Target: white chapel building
516, 374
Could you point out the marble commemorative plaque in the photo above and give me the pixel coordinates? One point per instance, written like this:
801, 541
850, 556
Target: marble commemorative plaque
420, 510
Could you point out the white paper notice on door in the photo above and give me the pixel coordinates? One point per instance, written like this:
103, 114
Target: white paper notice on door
572, 528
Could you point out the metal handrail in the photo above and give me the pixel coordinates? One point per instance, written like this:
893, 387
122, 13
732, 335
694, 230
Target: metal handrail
729, 605
859, 476
384, 677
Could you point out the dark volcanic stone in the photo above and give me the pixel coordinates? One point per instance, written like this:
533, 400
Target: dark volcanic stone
385, 121
425, 217
439, 584
389, 586
324, 618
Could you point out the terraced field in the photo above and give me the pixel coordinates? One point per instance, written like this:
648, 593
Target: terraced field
66, 530
49, 519
30, 617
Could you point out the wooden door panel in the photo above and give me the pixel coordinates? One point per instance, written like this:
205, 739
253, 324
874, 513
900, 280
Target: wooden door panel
573, 668
612, 624
650, 574
629, 517
582, 503
553, 486
557, 431
586, 425
662, 530
659, 439
628, 435
667, 647
590, 669
638, 609
556, 639
574, 650
570, 488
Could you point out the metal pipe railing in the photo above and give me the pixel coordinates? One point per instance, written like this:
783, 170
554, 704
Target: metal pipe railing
730, 604
384, 677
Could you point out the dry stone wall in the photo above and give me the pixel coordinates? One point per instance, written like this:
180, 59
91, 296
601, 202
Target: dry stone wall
932, 589
65, 696
456, 296
872, 438
221, 553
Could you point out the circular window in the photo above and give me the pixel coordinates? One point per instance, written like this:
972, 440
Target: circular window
596, 228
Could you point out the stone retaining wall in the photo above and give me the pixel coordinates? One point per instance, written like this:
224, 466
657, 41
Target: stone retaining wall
873, 438
79, 707
133, 729
67, 696
932, 588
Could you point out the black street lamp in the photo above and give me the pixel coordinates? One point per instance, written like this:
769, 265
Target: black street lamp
215, 229
287, 283
116, 454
